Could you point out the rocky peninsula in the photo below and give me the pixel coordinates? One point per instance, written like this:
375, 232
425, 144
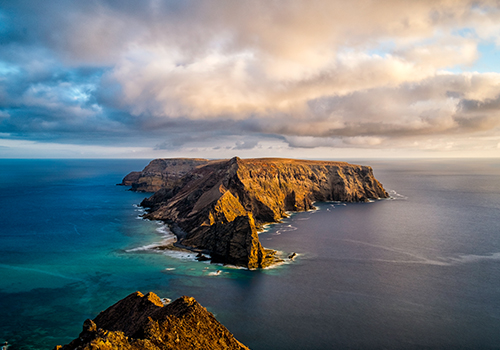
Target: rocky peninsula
147, 322
218, 206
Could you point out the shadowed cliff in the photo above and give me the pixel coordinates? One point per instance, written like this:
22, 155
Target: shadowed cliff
219, 205
144, 322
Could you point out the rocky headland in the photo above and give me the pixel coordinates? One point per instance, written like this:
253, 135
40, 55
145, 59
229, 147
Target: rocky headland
218, 206
147, 322
162, 173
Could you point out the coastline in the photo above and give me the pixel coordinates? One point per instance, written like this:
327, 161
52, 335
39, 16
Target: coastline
220, 207
170, 246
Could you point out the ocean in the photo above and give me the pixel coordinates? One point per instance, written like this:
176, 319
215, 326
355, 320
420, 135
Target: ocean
420, 270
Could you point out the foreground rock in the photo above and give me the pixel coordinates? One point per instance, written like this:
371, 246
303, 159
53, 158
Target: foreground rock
218, 206
143, 322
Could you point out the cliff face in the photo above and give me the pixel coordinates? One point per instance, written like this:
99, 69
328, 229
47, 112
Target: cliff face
162, 173
144, 322
220, 206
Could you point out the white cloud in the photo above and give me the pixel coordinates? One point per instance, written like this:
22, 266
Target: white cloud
314, 73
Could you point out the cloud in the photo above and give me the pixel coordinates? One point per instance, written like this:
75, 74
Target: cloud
4, 115
177, 74
246, 144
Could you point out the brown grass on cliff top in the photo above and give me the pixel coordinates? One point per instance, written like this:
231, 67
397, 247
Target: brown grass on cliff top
293, 161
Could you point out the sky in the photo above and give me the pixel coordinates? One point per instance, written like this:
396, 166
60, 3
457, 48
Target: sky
220, 78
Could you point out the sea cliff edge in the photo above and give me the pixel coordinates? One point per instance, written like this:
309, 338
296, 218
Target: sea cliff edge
217, 207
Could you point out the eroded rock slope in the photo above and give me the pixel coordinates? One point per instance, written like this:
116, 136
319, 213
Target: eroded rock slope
144, 322
219, 205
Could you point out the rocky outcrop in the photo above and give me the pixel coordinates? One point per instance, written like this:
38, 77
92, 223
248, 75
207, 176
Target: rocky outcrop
162, 173
144, 322
219, 206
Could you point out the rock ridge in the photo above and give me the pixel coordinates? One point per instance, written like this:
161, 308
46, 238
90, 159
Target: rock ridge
162, 173
143, 322
218, 206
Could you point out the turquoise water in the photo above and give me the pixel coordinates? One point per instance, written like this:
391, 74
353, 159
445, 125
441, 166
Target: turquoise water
66, 229
421, 270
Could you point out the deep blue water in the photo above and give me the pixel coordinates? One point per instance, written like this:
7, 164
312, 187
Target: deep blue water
418, 271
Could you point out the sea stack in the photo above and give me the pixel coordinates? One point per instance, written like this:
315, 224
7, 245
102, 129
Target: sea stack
218, 206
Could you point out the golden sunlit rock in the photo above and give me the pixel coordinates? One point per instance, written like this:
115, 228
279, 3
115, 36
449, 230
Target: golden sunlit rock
218, 206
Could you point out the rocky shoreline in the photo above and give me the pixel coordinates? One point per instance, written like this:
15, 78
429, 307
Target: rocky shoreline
217, 207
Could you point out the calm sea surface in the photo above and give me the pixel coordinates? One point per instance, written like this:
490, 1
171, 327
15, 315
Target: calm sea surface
418, 271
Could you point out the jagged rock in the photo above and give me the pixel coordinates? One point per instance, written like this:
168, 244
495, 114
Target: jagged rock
143, 322
220, 205
201, 257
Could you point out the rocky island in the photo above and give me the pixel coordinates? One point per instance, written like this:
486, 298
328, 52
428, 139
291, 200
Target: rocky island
216, 207
147, 322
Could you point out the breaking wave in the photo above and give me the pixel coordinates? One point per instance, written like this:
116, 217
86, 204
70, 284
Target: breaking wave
167, 238
393, 195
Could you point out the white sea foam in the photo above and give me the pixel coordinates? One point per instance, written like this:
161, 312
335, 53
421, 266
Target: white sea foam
471, 258
333, 204
278, 264
182, 255
139, 209
286, 228
265, 228
393, 195
215, 273
229, 266
419, 259
143, 248
167, 238
424, 261
163, 229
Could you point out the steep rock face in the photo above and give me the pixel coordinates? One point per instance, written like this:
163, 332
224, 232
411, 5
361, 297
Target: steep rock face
162, 173
143, 322
220, 206
273, 186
